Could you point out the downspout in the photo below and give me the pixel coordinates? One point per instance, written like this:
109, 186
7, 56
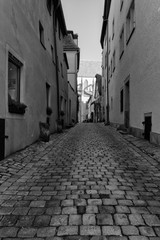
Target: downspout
56, 60
108, 122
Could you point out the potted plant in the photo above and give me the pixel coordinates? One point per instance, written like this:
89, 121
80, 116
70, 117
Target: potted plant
15, 106
49, 111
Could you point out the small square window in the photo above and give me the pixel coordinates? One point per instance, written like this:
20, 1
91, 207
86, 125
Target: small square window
121, 4
49, 6
41, 34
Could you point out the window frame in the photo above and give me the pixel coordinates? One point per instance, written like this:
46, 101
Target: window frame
122, 100
121, 4
130, 21
41, 34
49, 6
121, 42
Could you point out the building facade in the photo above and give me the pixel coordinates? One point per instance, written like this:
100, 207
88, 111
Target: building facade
86, 84
73, 55
129, 39
33, 70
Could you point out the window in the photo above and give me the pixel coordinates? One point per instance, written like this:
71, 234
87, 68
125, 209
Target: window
14, 74
52, 53
114, 60
121, 5
48, 94
109, 45
121, 100
121, 42
14, 84
49, 6
113, 29
59, 30
105, 60
41, 34
61, 70
111, 103
130, 21
111, 68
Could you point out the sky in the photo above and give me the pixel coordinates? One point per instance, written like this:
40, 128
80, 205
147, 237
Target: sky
84, 17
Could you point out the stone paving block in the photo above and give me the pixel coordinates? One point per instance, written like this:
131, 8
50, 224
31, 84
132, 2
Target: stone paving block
104, 219
121, 219
130, 230
67, 203
27, 232
90, 230
136, 219
20, 211
106, 209
151, 220
42, 221
95, 202
139, 238
81, 209
122, 209
8, 221
157, 230
89, 219
37, 204
6, 210
111, 230
59, 220
80, 202
67, 230
36, 211
8, 232
53, 211
109, 202
147, 231
69, 210
91, 209
25, 221
75, 220
46, 232
139, 210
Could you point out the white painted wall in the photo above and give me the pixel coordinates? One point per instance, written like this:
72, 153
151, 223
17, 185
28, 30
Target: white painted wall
140, 61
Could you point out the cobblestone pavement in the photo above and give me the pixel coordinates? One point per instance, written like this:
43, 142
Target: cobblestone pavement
88, 183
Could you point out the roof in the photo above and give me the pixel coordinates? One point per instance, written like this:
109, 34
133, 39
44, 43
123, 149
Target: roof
89, 68
69, 43
107, 5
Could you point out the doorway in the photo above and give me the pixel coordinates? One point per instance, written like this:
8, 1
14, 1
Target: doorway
147, 127
2, 139
127, 105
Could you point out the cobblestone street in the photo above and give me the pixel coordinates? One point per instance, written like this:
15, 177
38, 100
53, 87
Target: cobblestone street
89, 182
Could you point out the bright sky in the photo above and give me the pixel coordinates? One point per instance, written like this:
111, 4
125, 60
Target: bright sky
84, 17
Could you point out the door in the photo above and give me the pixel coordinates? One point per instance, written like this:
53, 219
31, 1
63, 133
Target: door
147, 127
2, 138
127, 106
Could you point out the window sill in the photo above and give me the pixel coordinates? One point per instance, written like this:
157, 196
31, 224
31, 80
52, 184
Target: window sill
121, 54
130, 35
43, 45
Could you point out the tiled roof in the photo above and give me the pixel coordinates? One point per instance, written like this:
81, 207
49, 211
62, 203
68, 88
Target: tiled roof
89, 68
69, 43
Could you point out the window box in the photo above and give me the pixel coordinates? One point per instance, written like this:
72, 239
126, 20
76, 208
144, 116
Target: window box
16, 107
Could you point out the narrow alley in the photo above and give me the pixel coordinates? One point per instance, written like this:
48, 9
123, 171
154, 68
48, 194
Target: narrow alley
88, 182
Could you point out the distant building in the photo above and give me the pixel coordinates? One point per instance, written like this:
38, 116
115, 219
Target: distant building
33, 71
73, 55
86, 82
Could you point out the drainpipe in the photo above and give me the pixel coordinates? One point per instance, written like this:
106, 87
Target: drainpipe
56, 60
108, 122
